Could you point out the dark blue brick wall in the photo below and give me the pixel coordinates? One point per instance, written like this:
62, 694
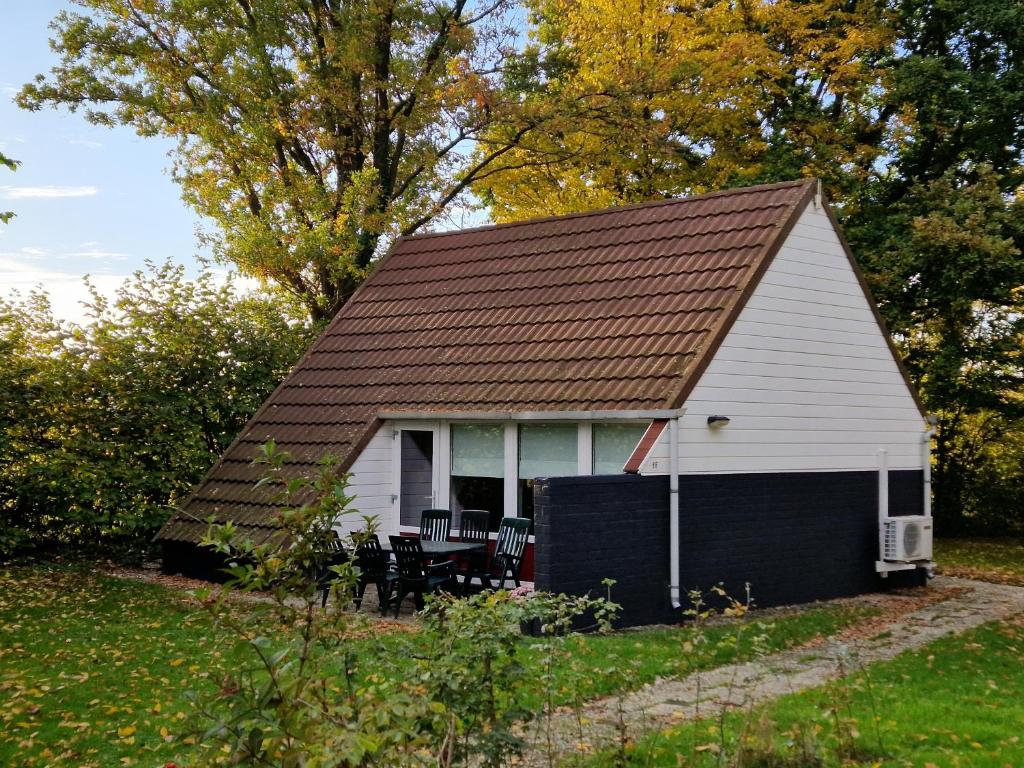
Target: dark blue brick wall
794, 537
906, 492
591, 528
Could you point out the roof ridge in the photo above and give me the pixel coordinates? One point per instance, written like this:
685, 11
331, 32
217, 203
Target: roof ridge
613, 209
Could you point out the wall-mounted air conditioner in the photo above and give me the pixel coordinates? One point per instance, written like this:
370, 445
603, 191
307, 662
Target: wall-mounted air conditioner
908, 539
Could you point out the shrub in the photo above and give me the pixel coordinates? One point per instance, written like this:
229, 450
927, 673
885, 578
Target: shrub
454, 693
104, 424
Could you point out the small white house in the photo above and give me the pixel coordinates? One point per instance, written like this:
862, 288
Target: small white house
726, 343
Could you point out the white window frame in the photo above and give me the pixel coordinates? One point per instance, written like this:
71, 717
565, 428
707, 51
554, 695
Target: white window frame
591, 425
440, 478
441, 429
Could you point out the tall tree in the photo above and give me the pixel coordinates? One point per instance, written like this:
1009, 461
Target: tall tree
938, 230
946, 265
692, 96
310, 131
958, 82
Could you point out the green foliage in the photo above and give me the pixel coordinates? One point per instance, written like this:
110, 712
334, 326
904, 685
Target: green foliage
310, 131
946, 265
307, 694
105, 424
12, 165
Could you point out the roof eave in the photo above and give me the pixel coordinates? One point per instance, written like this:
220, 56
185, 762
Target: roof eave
596, 415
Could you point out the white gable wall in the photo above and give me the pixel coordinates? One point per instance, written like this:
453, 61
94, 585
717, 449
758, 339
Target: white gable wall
805, 375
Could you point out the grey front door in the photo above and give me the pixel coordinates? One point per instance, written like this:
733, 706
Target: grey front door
416, 490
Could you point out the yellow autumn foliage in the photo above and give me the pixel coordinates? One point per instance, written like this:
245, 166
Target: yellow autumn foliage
661, 98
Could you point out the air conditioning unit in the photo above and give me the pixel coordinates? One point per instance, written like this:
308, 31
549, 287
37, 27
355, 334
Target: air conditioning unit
908, 539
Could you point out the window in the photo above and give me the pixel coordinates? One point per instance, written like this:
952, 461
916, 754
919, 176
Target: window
478, 470
613, 445
545, 450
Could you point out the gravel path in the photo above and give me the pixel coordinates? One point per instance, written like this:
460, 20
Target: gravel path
666, 702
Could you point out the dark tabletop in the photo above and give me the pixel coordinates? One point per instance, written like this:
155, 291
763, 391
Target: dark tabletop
437, 548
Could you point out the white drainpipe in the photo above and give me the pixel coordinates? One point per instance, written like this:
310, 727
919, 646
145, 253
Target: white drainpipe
926, 449
673, 509
883, 499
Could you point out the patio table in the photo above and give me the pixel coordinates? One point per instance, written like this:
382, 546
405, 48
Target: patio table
444, 548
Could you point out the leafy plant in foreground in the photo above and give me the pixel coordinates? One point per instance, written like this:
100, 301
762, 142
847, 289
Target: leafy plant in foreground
307, 694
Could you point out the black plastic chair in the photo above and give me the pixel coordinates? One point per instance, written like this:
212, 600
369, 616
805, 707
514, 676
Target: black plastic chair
509, 551
473, 524
435, 525
374, 566
336, 555
414, 575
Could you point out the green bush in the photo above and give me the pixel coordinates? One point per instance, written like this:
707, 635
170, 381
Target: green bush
104, 424
455, 692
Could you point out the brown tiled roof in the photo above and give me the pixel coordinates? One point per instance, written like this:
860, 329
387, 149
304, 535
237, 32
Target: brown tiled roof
612, 310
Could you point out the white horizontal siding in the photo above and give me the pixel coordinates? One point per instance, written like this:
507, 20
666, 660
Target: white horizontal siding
371, 483
805, 375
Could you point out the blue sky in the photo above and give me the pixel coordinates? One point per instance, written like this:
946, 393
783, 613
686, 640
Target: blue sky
88, 200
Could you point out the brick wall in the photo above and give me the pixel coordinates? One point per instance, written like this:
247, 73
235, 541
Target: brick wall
591, 528
906, 492
794, 537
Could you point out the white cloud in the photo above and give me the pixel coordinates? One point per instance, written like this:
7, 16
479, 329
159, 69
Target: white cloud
87, 143
22, 193
66, 290
242, 283
93, 251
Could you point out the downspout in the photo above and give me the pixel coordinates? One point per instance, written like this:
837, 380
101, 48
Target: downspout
673, 510
883, 502
926, 472
926, 466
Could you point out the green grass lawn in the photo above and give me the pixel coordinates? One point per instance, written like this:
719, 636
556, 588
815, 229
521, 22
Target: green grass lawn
94, 670
957, 702
628, 660
1000, 560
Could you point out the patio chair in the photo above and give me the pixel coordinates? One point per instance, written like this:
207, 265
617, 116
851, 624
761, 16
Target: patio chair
510, 549
375, 568
336, 554
473, 526
507, 560
414, 575
435, 525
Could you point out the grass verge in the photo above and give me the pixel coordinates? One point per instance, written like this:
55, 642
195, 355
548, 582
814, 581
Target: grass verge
998, 560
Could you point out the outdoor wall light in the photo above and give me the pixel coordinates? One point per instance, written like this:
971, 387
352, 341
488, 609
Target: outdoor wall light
717, 421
